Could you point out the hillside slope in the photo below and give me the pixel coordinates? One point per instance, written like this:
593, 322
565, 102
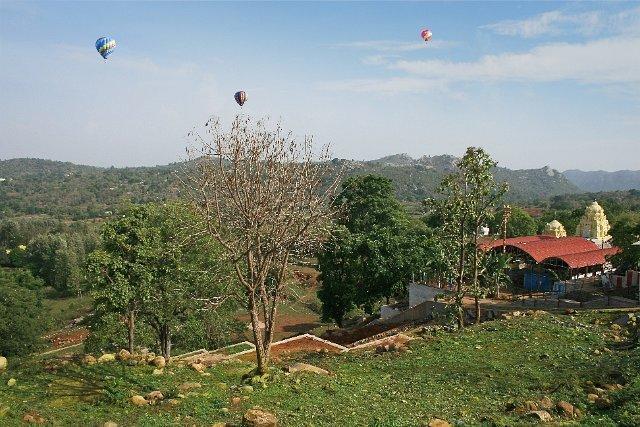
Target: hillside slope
32, 186
604, 181
479, 376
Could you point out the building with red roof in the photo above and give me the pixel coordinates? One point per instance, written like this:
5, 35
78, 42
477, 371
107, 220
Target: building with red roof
568, 257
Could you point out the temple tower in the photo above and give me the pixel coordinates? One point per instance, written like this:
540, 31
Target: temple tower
555, 229
594, 224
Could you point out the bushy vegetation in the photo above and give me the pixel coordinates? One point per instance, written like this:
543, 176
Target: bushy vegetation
22, 318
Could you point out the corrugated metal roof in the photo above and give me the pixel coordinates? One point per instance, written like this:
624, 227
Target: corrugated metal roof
575, 251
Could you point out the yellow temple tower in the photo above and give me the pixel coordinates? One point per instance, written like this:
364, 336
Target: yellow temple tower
594, 224
555, 229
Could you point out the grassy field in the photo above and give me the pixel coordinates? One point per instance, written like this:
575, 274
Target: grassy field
476, 376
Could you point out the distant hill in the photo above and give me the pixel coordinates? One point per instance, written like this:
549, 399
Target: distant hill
34, 186
603, 180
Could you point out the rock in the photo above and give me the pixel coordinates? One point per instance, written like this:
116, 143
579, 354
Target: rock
173, 402
159, 362
138, 400
107, 357
219, 424
565, 408
88, 360
570, 311
527, 406
110, 424
33, 418
603, 402
256, 417
247, 389
545, 403
305, 367
124, 355
3, 363
615, 327
198, 367
591, 397
224, 410
149, 357
11, 382
158, 371
437, 422
186, 387
236, 400
154, 396
543, 416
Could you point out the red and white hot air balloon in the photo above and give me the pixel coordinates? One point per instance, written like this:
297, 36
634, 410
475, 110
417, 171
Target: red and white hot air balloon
426, 34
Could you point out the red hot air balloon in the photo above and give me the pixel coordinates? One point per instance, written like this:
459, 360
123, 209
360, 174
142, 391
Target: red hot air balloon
240, 97
426, 34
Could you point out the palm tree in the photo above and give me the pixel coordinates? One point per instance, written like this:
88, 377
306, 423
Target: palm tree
497, 266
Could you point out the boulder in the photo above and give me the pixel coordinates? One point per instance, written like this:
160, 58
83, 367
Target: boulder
159, 362
247, 389
219, 424
154, 396
33, 418
149, 357
236, 400
3, 363
187, 387
305, 367
591, 397
603, 402
437, 422
107, 357
565, 409
11, 382
158, 371
545, 403
110, 424
256, 417
138, 400
124, 355
88, 360
615, 327
198, 367
542, 416
527, 406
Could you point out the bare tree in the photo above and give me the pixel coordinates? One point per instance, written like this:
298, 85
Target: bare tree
263, 195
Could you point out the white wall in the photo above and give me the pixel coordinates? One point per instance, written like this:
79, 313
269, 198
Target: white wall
421, 293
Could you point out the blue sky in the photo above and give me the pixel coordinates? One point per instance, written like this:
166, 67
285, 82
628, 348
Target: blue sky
536, 84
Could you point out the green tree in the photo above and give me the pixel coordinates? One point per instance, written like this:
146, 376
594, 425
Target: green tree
625, 233
22, 317
467, 200
120, 277
374, 251
520, 223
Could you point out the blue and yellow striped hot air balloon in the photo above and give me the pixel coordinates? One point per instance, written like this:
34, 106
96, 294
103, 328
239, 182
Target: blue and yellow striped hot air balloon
105, 45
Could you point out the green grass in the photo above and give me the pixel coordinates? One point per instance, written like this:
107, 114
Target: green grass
63, 310
475, 376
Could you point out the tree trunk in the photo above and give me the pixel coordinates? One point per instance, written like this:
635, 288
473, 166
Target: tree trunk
476, 286
131, 329
459, 293
262, 357
165, 341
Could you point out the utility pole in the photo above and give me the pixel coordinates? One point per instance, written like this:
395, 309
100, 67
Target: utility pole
506, 213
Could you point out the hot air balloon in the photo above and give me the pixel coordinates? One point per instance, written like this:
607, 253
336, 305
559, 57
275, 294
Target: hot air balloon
105, 45
426, 34
240, 97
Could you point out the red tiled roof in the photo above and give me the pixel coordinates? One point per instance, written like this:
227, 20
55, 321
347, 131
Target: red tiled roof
575, 251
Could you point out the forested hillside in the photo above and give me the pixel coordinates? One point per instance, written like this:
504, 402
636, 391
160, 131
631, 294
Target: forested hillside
603, 180
34, 186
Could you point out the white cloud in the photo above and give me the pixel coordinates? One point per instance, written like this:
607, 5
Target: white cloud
614, 60
556, 22
394, 46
